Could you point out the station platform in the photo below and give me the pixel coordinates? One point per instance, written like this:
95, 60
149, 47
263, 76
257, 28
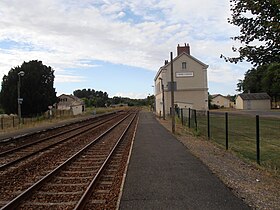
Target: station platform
163, 174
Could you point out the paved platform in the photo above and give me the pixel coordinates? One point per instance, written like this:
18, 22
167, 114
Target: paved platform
163, 174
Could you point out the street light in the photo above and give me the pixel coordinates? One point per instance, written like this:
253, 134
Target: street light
163, 104
20, 74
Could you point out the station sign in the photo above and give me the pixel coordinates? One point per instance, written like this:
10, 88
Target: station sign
184, 74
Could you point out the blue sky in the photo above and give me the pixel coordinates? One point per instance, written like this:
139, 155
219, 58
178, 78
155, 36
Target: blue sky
117, 46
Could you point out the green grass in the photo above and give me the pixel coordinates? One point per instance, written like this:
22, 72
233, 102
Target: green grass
242, 136
8, 124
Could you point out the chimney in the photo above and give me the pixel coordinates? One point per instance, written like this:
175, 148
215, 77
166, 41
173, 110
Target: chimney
165, 62
181, 49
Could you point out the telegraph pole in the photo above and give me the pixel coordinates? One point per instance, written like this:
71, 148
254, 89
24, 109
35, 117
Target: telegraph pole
163, 105
172, 94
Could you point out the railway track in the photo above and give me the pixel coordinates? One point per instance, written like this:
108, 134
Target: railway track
18, 141
95, 168
10, 157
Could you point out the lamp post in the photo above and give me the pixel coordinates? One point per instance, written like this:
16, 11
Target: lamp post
172, 94
20, 74
163, 104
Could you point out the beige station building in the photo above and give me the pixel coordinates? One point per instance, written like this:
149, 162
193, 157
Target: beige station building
190, 83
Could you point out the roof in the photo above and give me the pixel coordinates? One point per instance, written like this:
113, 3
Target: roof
216, 95
74, 102
254, 96
174, 59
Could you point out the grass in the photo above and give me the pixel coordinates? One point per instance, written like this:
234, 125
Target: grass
9, 124
242, 136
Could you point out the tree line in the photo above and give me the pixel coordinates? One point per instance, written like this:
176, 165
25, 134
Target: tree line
265, 78
93, 98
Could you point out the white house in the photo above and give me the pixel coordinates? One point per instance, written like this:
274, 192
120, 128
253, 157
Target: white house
70, 102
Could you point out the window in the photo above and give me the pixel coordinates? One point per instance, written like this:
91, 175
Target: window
184, 65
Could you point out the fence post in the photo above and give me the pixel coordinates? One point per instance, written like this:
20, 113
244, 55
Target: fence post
195, 120
226, 115
2, 123
258, 138
182, 117
189, 122
208, 124
13, 121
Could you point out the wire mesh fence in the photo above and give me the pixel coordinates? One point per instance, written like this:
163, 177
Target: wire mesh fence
256, 137
10, 122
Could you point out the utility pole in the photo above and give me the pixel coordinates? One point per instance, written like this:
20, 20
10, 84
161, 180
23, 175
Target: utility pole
20, 74
172, 94
163, 103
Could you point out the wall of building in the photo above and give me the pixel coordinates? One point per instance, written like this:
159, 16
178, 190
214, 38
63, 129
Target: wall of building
221, 101
187, 99
239, 103
257, 104
198, 80
252, 104
77, 109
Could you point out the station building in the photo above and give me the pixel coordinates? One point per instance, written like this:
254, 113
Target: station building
190, 83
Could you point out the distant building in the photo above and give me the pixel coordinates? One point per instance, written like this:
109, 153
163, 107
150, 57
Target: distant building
190, 82
70, 102
253, 101
221, 101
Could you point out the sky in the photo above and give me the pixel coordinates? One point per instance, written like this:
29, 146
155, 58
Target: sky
117, 46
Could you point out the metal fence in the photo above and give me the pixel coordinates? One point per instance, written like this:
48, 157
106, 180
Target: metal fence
254, 137
10, 122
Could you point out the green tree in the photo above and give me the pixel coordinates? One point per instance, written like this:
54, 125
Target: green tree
259, 22
92, 97
271, 81
265, 78
36, 88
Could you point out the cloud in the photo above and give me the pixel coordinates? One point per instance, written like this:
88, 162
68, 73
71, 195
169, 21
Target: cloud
63, 34
62, 78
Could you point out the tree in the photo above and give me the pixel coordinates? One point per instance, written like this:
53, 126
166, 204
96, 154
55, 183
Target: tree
271, 81
92, 97
265, 78
259, 22
36, 88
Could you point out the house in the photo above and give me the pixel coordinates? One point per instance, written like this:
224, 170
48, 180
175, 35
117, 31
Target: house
221, 101
253, 101
190, 83
70, 102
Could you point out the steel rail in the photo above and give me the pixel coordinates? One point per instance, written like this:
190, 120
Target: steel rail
46, 138
17, 200
11, 139
6, 165
82, 202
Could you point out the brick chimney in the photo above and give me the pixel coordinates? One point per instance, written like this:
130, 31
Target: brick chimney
181, 49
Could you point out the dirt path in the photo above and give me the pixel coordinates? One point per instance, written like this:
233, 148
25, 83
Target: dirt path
256, 186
